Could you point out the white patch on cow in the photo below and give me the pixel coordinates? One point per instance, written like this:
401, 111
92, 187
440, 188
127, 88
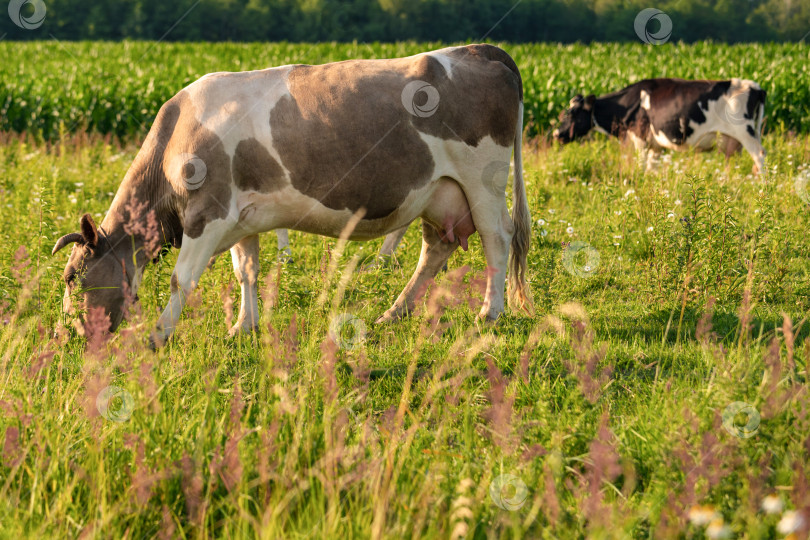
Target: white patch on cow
446, 62
645, 100
637, 141
237, 107
663, 141
597, 127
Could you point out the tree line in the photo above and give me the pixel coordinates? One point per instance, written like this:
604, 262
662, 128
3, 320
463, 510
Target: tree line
391, 20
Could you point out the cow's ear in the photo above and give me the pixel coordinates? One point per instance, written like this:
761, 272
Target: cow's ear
89, 230
589, 101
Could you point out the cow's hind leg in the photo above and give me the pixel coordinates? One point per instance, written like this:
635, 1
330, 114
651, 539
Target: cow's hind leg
434, 255
284, 253
392, 241
388, 248
245, 255
495, 228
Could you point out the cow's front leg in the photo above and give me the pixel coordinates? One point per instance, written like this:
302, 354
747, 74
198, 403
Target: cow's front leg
434, 255
653, 155
191, 263
245, 255
754, 147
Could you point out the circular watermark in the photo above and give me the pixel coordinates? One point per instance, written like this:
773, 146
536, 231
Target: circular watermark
347, 330
495, 177
33, 21
643, 22
736, 108
115, 404
508, 492
801, 184
581, 259
731, 419
420, 99
189, 170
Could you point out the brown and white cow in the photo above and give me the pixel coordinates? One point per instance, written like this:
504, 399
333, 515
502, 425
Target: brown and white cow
305, 148
673, 114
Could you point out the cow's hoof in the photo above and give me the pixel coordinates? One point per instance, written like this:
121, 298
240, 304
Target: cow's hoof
156, 341
489, 315
242, 329
392, 315
380, 261
285, 256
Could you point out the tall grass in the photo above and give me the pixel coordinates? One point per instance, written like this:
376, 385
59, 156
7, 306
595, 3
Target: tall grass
601, 417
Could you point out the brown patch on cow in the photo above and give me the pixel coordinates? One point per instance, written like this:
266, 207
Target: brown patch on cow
348, 141
480, 99
255, 169
211, 200
179, 210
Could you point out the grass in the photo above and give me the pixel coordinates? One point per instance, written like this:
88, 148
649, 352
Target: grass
600, 417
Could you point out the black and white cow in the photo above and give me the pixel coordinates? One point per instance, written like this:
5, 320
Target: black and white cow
310, 148
673, 114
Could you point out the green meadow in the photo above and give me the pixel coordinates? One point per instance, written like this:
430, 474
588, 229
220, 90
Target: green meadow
659, 391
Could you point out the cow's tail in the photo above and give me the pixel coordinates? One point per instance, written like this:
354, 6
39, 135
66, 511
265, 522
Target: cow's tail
520, 296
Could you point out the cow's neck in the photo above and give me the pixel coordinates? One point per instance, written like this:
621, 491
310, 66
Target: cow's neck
611, 114
134, 191
605, 114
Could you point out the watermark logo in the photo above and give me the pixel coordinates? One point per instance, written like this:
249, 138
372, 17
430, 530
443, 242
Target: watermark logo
189, 170
495, 176
115, 404
736, 106
31, 22
420, 99
508, 492
644, 24
733, 417
580, 259
347, 331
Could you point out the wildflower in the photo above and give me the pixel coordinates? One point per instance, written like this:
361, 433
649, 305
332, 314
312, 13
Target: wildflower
629, 192
791, 522
550, 211
617, 212
541, 222
718, 529
543, 233
772, 504
677, 202
570, 230
670, 215
650, 229
701, 515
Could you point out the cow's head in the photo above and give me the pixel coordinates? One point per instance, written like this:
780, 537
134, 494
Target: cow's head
577, 121
93, 273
